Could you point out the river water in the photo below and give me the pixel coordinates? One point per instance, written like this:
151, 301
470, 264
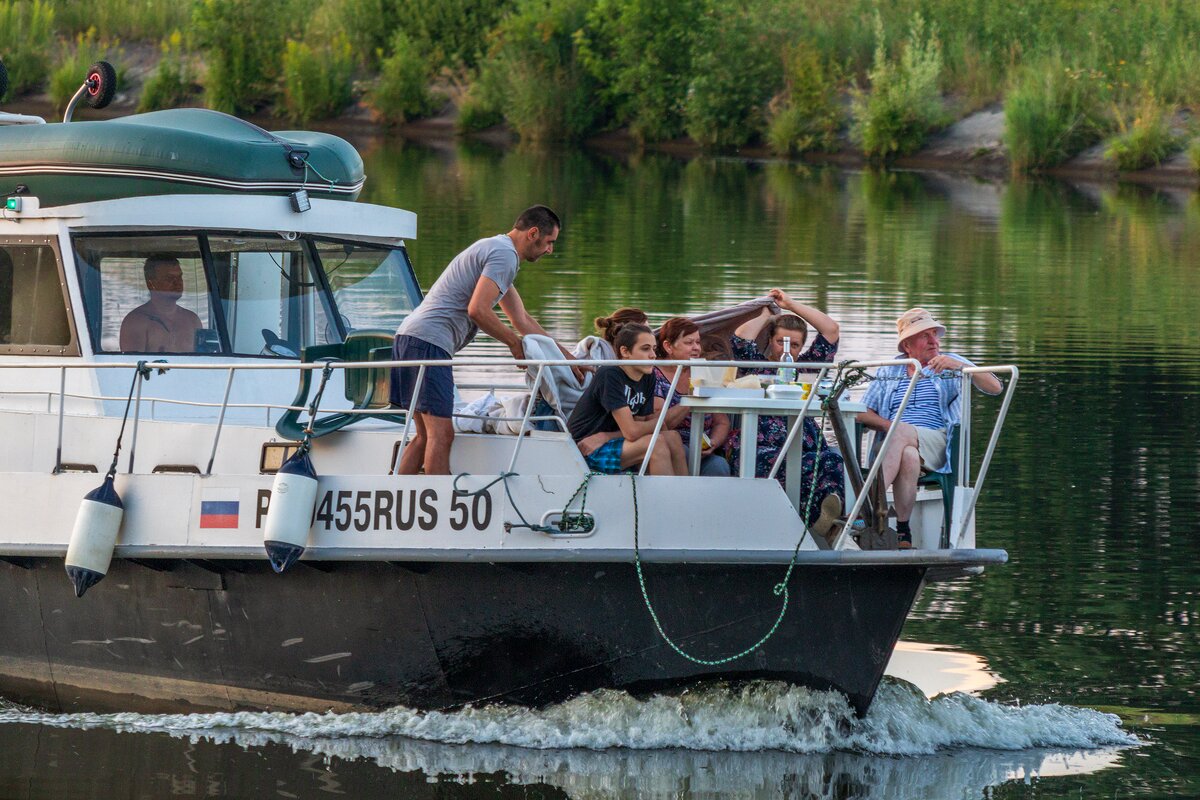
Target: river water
1072, 670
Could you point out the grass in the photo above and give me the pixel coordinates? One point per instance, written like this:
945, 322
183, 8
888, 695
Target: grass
172, 82
1145, 140
1052, 112
26, 34
131, 20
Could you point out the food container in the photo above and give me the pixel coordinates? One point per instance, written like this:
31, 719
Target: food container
789, 391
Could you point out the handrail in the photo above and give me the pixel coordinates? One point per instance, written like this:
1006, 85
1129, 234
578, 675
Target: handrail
821, 368
658, 423
1015, 374
791, 437
869, 480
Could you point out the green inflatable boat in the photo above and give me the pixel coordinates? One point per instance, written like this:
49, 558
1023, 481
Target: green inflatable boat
182, 151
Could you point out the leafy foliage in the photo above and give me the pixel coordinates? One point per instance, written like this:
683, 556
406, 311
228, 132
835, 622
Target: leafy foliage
402, 92
736, 70
171, 83
808, 113
243, 43
904, 102
317, 83
533, 76
449, 33
640, 52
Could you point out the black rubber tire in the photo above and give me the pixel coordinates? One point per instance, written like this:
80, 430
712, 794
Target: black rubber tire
102, 84
3, 80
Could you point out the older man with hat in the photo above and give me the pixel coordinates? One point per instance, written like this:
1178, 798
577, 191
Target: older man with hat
921, 441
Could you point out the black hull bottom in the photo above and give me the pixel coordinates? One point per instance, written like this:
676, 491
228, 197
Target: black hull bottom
161, 636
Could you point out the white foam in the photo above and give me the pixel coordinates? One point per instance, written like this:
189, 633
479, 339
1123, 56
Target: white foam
763, 716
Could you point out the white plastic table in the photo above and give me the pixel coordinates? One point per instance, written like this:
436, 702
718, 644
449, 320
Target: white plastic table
750, 409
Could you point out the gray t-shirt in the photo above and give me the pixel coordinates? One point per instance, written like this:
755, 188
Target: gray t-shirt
441, 318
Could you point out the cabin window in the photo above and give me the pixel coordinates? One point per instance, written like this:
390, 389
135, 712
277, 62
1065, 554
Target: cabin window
34, 315
274, 301
147, 294
373, 287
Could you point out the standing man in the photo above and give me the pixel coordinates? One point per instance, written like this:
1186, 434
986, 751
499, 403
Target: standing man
923, 430
460, 304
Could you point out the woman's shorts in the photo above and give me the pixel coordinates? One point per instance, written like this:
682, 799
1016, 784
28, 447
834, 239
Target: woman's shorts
437, 388
932, 445
607, 457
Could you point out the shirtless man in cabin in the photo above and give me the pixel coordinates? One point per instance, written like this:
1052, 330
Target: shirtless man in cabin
161, 325
460, 304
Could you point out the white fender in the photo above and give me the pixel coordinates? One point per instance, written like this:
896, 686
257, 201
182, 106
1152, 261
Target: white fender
95, 536
290, 513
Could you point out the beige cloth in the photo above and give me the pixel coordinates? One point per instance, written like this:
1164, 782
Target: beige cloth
932, 445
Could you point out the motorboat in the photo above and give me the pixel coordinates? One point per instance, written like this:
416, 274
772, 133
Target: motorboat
160, 480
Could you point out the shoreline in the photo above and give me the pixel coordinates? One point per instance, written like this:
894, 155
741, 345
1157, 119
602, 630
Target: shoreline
972, 145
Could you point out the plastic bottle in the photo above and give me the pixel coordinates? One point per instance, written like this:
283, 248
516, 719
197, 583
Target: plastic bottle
787, 375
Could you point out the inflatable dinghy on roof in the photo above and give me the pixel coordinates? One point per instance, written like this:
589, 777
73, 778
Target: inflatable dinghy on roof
181, 151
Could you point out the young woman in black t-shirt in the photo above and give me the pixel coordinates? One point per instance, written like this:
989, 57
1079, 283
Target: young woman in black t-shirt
614, 420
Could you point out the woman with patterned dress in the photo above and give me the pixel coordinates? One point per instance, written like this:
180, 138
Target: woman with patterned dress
762, 339
679, 340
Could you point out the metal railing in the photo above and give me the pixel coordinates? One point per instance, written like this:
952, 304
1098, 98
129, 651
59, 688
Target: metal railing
821, 369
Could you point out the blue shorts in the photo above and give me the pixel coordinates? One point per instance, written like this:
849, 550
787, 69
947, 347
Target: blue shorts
607, 457
437, 388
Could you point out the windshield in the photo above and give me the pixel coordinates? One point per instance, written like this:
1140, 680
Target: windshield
232, 293
373, 287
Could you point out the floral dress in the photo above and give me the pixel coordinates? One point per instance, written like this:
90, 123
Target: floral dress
773, 431
662, 385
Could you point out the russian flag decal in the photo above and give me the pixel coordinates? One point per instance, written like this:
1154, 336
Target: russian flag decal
219, 508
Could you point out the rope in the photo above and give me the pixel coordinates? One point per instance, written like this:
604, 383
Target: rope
566, 521
306, 445
843, 379
142, 372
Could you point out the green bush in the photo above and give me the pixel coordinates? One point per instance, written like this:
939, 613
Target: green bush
67, 77
402, 92
171, 83
479, 107
365, 24
317, 84
808, 113
736, 71
904, 102
1145, 140
26, 36
532, 74
450, 33
1194, 154
132, 20
640, 52
243, 43
1052, 112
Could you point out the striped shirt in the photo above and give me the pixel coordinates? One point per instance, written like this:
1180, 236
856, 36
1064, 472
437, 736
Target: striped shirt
890, 383
924, 409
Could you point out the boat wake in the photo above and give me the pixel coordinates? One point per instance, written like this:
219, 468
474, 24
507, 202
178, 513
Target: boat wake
762, 716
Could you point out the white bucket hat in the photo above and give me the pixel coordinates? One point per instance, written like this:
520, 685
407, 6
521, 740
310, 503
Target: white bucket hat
914, 321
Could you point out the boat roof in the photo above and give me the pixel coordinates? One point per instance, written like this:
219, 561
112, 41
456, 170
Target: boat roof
274, 213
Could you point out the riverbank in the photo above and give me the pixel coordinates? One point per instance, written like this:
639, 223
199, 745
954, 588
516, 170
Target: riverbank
973, 145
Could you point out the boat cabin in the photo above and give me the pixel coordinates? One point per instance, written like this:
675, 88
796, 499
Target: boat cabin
248, 278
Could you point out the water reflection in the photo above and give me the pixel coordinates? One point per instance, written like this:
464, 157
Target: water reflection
38, 762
